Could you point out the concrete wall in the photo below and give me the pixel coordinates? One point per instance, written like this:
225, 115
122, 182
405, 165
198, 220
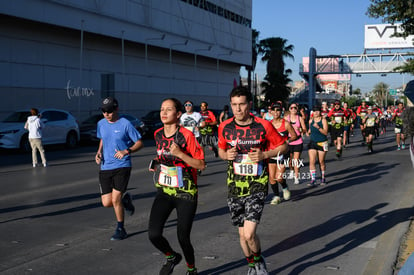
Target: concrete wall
58, 59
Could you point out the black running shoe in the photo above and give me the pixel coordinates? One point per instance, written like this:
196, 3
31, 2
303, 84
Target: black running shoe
120, 234
127, 202
168, 267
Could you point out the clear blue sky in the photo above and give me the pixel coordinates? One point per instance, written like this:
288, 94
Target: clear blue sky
329, 26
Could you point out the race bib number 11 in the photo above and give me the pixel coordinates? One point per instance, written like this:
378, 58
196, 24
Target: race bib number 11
243, 166
171, 176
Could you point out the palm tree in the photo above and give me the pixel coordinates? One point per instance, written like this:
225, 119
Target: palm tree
273, 51
380, 93
255, 49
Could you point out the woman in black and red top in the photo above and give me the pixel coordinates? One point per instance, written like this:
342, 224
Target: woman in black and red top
179, 155
277, 166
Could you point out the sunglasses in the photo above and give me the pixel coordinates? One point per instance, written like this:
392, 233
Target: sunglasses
188, 105
291, 108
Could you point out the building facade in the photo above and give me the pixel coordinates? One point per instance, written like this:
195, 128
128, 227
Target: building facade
70, 54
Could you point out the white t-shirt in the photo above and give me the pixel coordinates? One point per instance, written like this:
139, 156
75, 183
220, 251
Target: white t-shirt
192, 122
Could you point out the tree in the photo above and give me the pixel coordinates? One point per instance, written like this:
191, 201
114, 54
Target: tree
380, 93
273, 51
393, 11
357, 91
255, 49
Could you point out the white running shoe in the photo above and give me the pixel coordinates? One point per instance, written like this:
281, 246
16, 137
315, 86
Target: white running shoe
286, 194
276, 200
261, 267
291, 174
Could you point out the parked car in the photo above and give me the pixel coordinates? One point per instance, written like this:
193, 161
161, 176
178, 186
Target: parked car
88, 126
153, 121
60, 127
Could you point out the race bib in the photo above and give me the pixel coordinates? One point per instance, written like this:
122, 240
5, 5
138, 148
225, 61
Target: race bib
338, 119
370, 122
171, 176
324, 145
244, 166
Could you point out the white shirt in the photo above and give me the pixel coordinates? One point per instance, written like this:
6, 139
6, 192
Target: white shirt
34, 125
191, 122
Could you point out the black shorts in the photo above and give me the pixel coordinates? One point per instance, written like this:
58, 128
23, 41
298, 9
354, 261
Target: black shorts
369, 131
114, 179
295, 148
314, 146
336, 133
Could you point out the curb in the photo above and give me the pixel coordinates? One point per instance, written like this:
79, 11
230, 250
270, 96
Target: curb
406, 248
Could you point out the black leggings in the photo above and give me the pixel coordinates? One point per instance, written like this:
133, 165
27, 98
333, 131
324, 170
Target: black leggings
161, 209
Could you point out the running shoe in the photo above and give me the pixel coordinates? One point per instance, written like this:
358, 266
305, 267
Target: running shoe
275, 200
312, 183
286, 194
323, 181
403, 146
296, 181
127, 202
169, 265
251, 270
120, 234
398, 148
261, 267
192, 272
291, 174
338, 154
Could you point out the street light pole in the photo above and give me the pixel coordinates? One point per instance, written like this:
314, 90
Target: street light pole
146, 57
218, 68
195, 66
170, 58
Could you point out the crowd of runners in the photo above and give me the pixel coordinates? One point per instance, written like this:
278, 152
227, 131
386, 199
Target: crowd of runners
259, 149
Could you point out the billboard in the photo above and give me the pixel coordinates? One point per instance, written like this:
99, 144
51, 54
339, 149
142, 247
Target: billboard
328, 65
379, 37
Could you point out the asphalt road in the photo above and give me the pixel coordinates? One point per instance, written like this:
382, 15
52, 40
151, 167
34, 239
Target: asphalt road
52, 221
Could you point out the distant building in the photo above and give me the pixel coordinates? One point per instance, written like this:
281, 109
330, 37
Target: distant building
70, 54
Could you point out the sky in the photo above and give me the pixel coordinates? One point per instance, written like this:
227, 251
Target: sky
329, 26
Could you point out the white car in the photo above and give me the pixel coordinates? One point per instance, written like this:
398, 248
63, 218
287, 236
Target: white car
61, 127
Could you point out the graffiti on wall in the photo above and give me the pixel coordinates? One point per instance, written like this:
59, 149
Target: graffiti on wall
72, 92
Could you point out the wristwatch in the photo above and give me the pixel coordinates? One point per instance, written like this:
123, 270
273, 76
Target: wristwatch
129, 151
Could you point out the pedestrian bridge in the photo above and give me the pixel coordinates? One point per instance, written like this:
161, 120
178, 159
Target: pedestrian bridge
374, 63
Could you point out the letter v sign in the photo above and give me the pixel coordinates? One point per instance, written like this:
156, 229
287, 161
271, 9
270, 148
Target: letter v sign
381, 34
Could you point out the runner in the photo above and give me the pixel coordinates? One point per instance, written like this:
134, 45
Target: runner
295, 145
349, 124
369, 125
192, 120
207, 134
376, 111
179, 156
361, 113
318, 145
337, 116
268, 115
247, 142
277, 164
117, 140
399, 134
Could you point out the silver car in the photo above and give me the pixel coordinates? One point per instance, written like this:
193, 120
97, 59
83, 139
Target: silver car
61, 127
